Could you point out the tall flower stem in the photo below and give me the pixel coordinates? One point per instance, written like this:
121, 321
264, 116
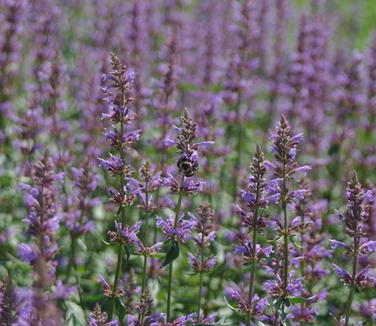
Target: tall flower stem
302, 262
143, 285
144, 274
201, 276
121, 248
285, 233
118, 264
254, 240
352, 286
239, 142
158, 194
72, 265
116, 280
170, 268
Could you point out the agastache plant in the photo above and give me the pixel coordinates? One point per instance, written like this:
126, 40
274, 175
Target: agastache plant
117, 90
204, 226
354, 218
285, 168
12, 15
161, 231
310, 253
255, 199
43, 225
176, 229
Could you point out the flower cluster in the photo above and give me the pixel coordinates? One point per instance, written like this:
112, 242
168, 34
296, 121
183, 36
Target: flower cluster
354, 217
42, 220
179, 231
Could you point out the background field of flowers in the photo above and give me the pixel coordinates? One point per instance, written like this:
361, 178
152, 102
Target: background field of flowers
182, 162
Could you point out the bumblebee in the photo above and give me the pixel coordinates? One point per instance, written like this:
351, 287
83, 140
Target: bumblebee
187, 166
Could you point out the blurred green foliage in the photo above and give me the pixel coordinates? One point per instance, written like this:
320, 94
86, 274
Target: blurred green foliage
357, 19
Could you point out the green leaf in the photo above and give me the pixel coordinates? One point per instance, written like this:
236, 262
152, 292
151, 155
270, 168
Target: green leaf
75, 312
172, 253
216, 88
106, 243
158, 255
166, 246
120, 309
191, 273
281, 305
277, 303
218, 269
230, 306
294, 300
128, 251
187, 87
295, 243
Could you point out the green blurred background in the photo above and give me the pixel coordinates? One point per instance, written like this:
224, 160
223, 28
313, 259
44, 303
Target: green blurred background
357, 18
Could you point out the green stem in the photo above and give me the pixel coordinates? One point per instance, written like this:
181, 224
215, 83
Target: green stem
169, 291
141, 316
253, 270
240, 140
116, 280
72, 265
201, 276
157, 195
144, 274
177, 212
285, 234
302, 261
354, 268
254, 239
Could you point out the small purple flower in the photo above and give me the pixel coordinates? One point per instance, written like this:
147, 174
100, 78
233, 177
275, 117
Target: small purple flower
367, 247
255, 306
99, 318
107, 289
342, 274
338, 244
181, 232
113, 164
27, 253
275, 287
197, 266
189, 186
305, 314
126, 235
246, 251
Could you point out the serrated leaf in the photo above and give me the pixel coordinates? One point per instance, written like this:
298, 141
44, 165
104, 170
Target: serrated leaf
172, 253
